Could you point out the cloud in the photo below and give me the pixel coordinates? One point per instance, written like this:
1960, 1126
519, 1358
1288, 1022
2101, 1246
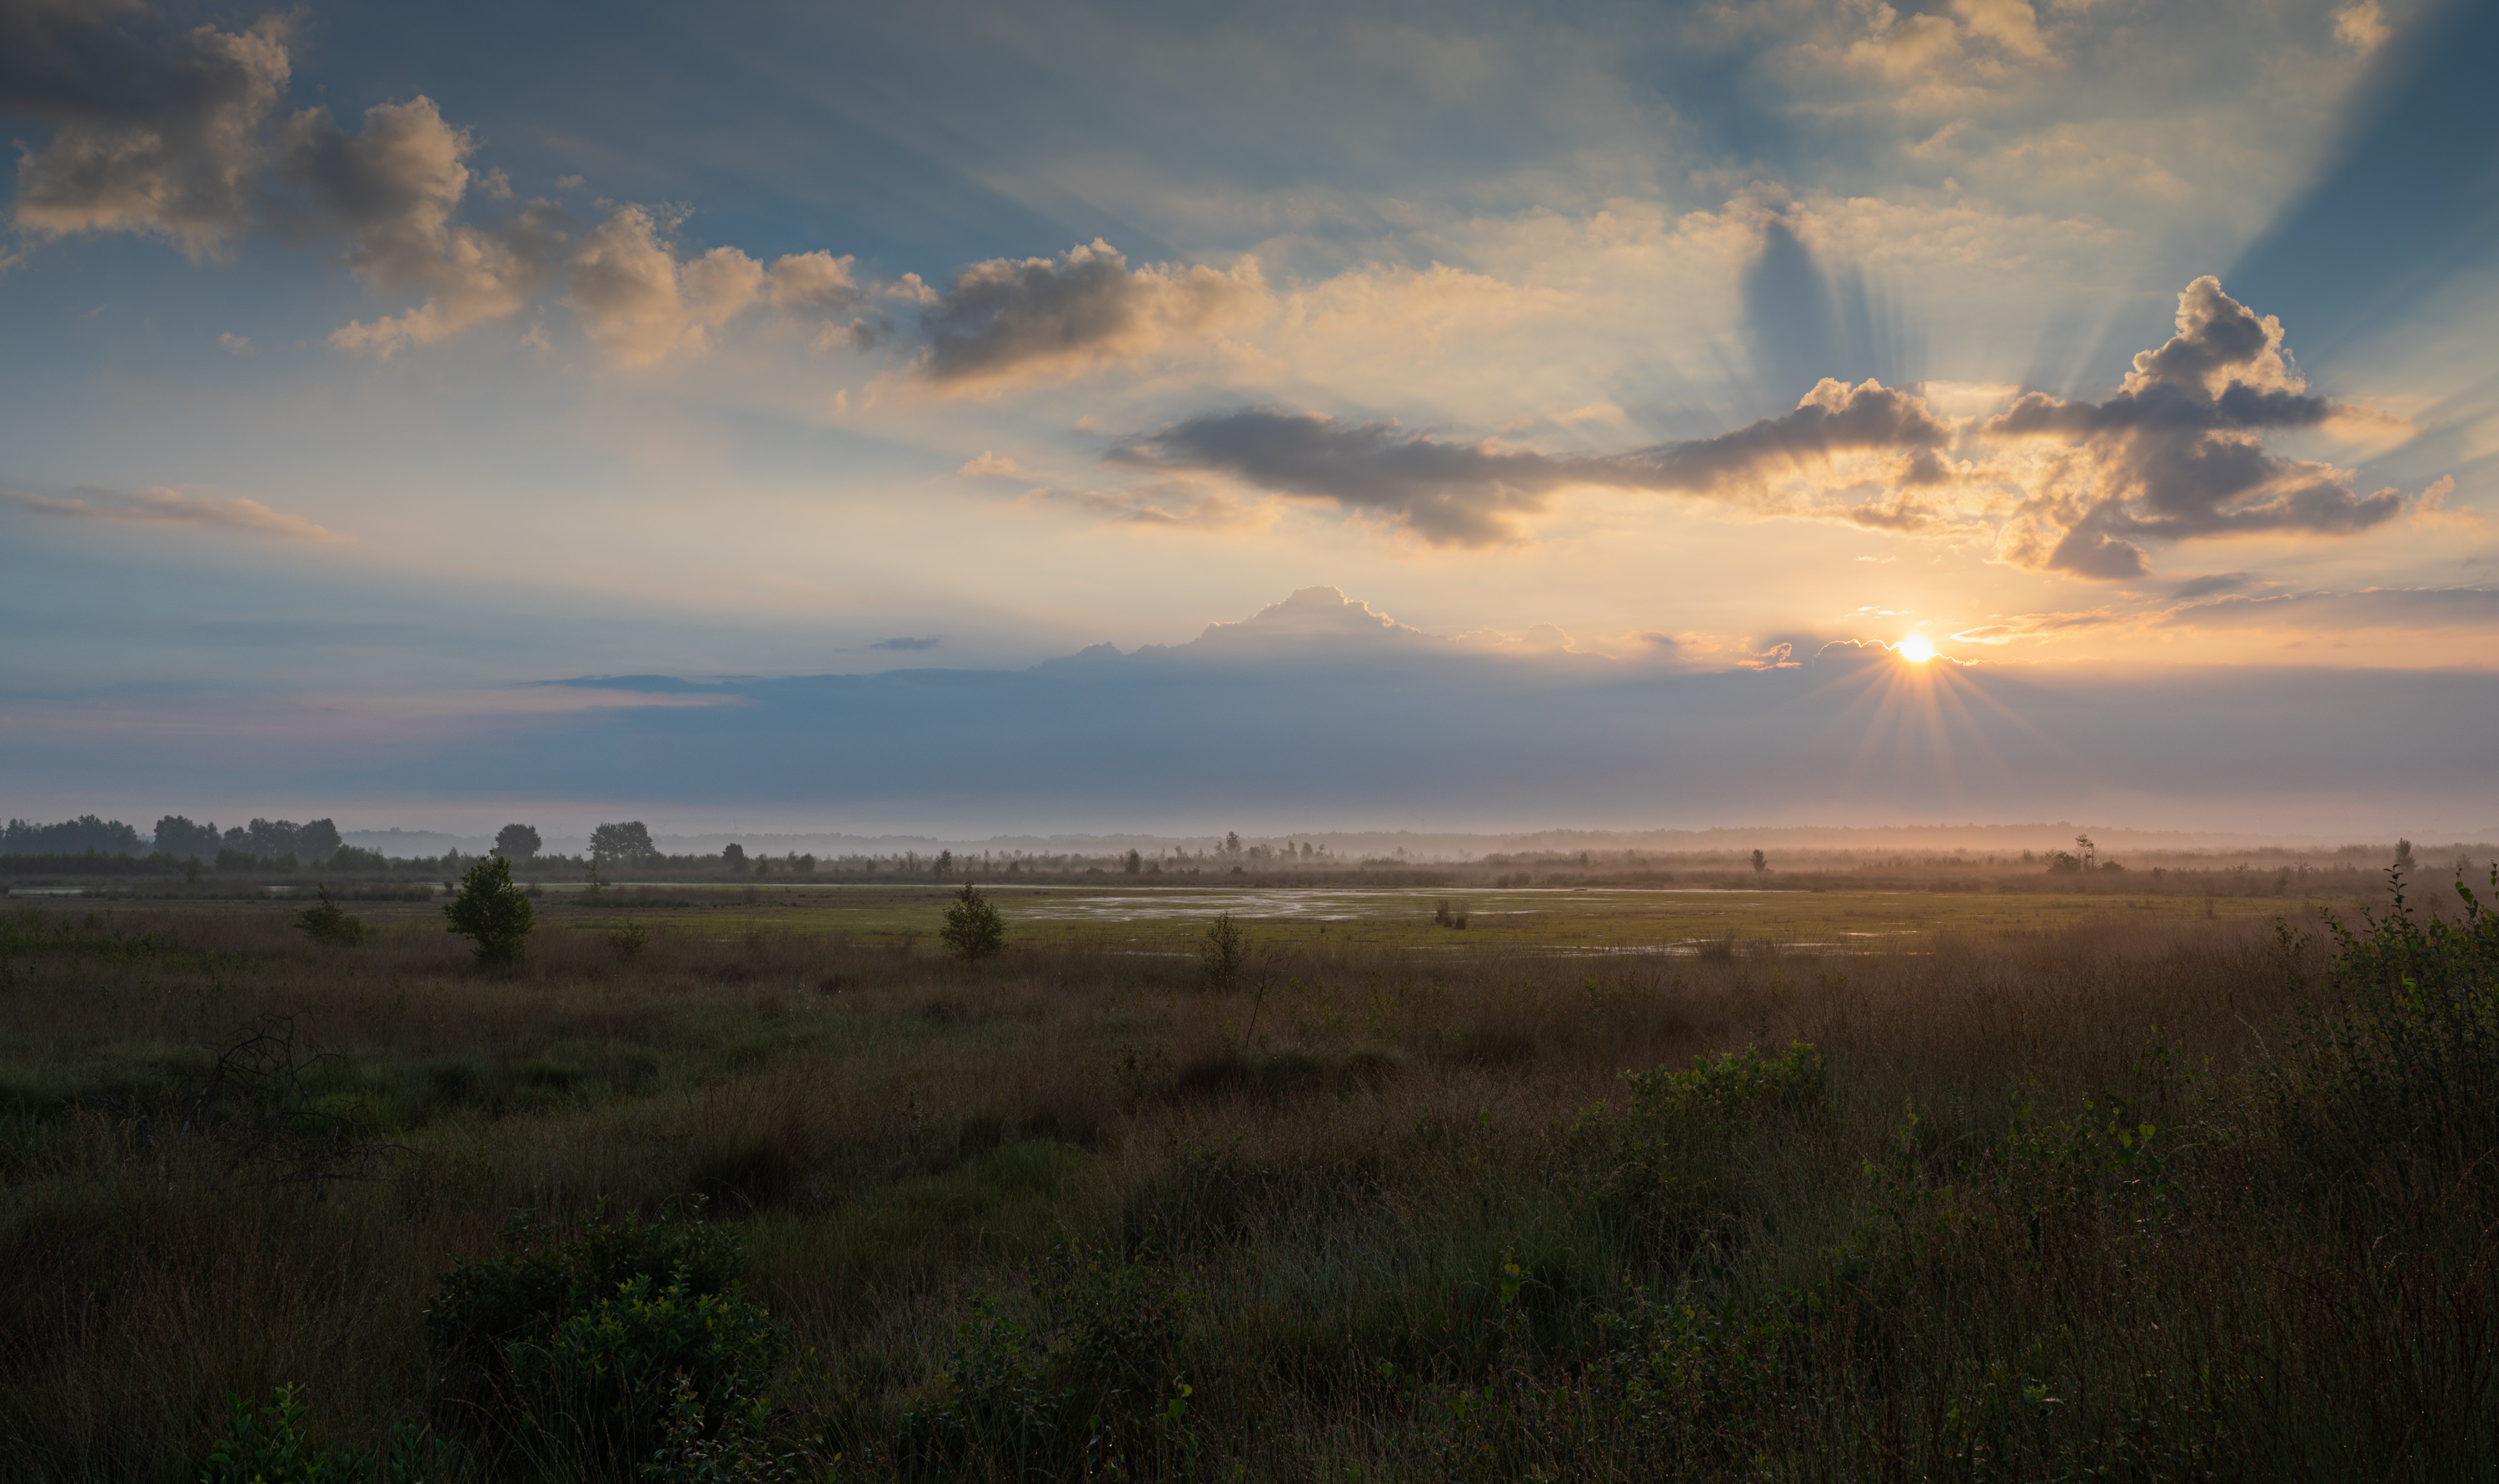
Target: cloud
1472, 494
910, 642
235, 344
2205, 587
152, 132
1458, 494
1321, 616
160, 507
2362, 28
989, 466
1905, 45
2174, 454
2397, 608
394, 189
1014, 319
642, 303
814, 282
1167, 503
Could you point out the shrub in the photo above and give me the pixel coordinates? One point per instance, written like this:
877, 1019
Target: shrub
1733, 1082
574, 1353
1223, 952
721, 1443
264, 1443
331, 924
973, 929
492, 912
1092, 1392
2405, 1052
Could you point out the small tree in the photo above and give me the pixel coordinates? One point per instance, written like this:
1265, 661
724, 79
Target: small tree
945, 866
734, 855
330, 924
516, 841
1223, 952
490, 910
973, 929
1135, 863
1760, 863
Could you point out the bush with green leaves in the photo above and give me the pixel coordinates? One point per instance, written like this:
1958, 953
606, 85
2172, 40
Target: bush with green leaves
2401, 1054
724, 1442
492, 910
265, 1444
1090, 1389
1733, 1082
569, 1354
973, 929
331, 924
1666, 1167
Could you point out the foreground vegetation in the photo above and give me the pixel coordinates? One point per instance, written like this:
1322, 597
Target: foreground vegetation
698, 1194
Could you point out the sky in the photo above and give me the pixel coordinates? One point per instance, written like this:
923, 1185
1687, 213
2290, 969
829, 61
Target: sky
1103, 416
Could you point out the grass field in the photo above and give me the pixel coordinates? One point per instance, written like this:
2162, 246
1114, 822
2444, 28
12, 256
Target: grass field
2062, 1185
1664, 920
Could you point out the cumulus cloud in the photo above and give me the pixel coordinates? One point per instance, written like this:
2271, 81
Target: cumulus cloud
814, 282
1312, 619
1473, 494
2175, 453
160, 507
394, 190
1901, 46
1011, 319
152, 132
641, 303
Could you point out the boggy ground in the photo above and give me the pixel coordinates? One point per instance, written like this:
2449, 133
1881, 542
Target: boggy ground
2096, 1201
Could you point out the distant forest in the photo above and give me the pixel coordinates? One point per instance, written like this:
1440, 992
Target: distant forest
175, 836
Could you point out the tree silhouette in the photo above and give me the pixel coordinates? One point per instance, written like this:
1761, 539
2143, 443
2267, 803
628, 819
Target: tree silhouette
490, 911
973, 929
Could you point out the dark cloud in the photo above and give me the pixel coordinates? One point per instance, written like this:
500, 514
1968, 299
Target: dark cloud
2207, 586
394, 189
153, 130
1460, 494
1470, 493
2174, 454
1006, 318
910, 642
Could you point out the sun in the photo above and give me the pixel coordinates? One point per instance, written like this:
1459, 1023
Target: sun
1915, 649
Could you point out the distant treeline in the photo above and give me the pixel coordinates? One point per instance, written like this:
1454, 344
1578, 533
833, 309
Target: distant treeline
175, 836
86, 834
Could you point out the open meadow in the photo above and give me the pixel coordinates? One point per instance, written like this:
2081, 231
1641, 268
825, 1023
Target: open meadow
1608, 1183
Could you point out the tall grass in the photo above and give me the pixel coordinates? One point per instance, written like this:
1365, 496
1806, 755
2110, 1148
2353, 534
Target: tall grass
2048, 1207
